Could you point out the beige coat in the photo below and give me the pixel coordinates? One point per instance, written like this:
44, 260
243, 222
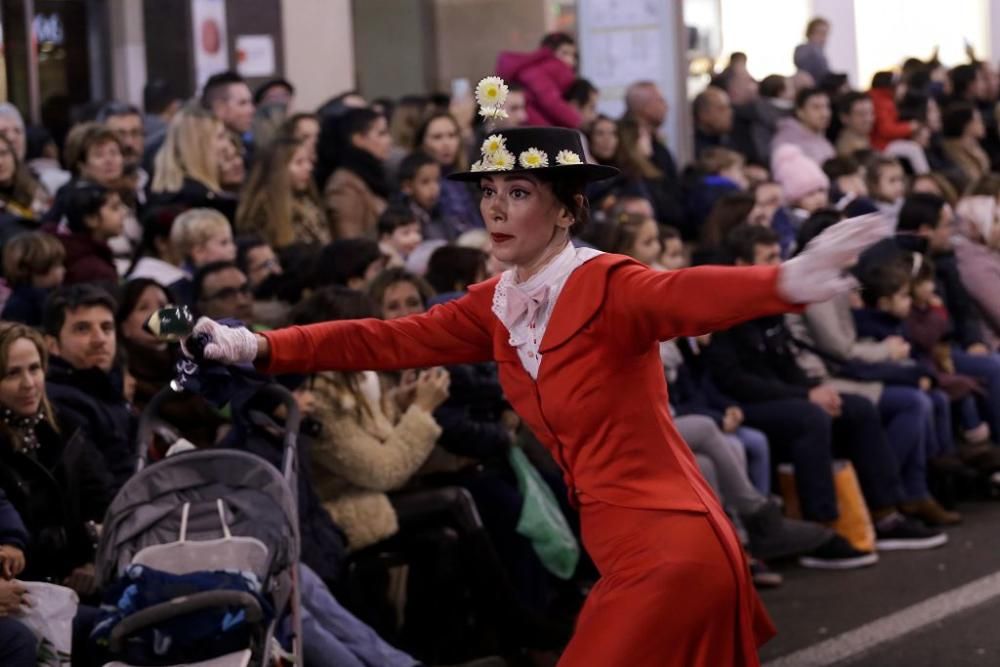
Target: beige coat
970, 158
354, 209
358, 460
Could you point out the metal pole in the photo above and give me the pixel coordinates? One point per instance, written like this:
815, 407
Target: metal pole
31, 55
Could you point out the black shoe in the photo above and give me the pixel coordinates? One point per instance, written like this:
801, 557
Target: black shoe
838, 554
772, 535
897, 532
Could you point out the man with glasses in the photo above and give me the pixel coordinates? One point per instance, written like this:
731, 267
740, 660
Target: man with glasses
126, 122
222, 291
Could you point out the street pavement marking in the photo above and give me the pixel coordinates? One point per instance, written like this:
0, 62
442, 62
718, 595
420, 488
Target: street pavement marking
856, 642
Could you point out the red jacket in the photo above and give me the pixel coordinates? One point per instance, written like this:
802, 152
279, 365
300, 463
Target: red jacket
600, 401
87, 260
545, 79
887, 126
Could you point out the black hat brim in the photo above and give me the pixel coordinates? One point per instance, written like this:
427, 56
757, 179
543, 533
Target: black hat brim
587, 173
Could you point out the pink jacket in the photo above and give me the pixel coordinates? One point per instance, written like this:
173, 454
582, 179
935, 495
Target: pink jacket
545, 79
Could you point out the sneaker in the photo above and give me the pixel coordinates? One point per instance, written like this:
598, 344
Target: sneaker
838, 554
772, 535
763, 576
930, 512
897, 532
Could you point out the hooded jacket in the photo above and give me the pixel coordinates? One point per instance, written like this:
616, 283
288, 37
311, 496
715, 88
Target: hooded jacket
545, 79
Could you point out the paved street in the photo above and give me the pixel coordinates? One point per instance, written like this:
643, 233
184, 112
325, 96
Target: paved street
932, 608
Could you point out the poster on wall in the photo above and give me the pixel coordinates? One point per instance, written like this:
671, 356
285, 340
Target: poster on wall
208, 30
255, 55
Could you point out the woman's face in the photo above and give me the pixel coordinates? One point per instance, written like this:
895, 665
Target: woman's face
376, 140
300, 168
14, 132
604, 140
23, 385
441, 141
673, 257
646, 247
103, 163
152, 299
221, 143
767, 201
8, 165
307, 132
522, 216
232, 171
401, 299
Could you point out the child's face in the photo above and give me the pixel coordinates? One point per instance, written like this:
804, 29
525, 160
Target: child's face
891, 184
898, 305
425, 188
218, 248
111, 218
673, 257
923, 292
853, 184
814, 201
51, 278
647, 248
405, 239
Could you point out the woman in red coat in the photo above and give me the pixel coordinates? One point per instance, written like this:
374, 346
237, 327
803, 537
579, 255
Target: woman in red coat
575, 335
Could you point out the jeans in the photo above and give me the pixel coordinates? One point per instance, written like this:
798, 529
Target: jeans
706, 439
940, 438
987, 370
906, 413
758, 455
331, 635
18, 646
804, 434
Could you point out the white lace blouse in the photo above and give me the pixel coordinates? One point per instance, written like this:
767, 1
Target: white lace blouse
525, 308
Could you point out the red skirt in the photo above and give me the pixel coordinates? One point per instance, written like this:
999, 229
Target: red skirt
675, 591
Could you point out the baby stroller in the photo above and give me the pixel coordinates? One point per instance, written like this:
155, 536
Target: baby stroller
205, 511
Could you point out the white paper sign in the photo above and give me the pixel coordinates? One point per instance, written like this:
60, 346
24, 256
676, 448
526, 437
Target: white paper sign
255, 55
211, 50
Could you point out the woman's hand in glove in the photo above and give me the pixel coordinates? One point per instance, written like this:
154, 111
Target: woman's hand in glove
817, 274
227, 345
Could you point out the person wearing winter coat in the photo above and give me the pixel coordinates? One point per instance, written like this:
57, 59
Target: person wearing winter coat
545, 74
807, 129
94, 215
805, 187
977, 249
888, 127
18, 644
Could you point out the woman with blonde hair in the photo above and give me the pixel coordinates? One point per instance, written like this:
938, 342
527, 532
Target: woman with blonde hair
280, 201
188, 165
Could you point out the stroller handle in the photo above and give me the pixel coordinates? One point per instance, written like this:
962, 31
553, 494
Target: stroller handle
181, 606
293, 418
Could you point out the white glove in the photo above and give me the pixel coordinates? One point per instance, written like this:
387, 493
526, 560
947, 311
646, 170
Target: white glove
817, 274
226, 344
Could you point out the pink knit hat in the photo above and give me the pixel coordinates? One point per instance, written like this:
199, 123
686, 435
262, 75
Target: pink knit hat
796, 174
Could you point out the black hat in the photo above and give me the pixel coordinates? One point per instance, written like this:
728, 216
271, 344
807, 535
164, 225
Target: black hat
550, 151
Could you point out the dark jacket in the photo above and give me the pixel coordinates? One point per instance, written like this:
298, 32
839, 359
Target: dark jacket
193, 194
668, 201
26, 305
470, 418
56, 489
94, 399
755, 362
961, 308
12, 530
87, 260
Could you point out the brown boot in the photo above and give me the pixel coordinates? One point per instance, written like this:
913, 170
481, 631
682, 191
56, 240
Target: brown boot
930, 512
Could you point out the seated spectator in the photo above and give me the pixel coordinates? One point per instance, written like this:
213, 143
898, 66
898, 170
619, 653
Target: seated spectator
42, 159
222, 291
398, 234
775, 100
156, 258
888, 127
232, 166
188, 166
720, 172
807, 129
257, 260
441, 137
21, 195
198, 237
18, 644
582, 96
672, 256
886, 184
453, 269
634, 235
94, 154
977, 250
963, 130
302, 127
755, 364
33, 267
50, 469
94, 215
420, 191
352, 263
728, 213
713, 119
83, 380
602, 141
280, 201
546, 75
805, 187
641, 178
847, 179
125, 120
856, 112
352, 150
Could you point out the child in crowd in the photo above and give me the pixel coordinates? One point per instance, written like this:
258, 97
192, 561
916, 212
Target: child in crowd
672, 253
398, 234
806, 188
420, 188
886, 184
847, 180
33, 267
199, 237
94, 215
